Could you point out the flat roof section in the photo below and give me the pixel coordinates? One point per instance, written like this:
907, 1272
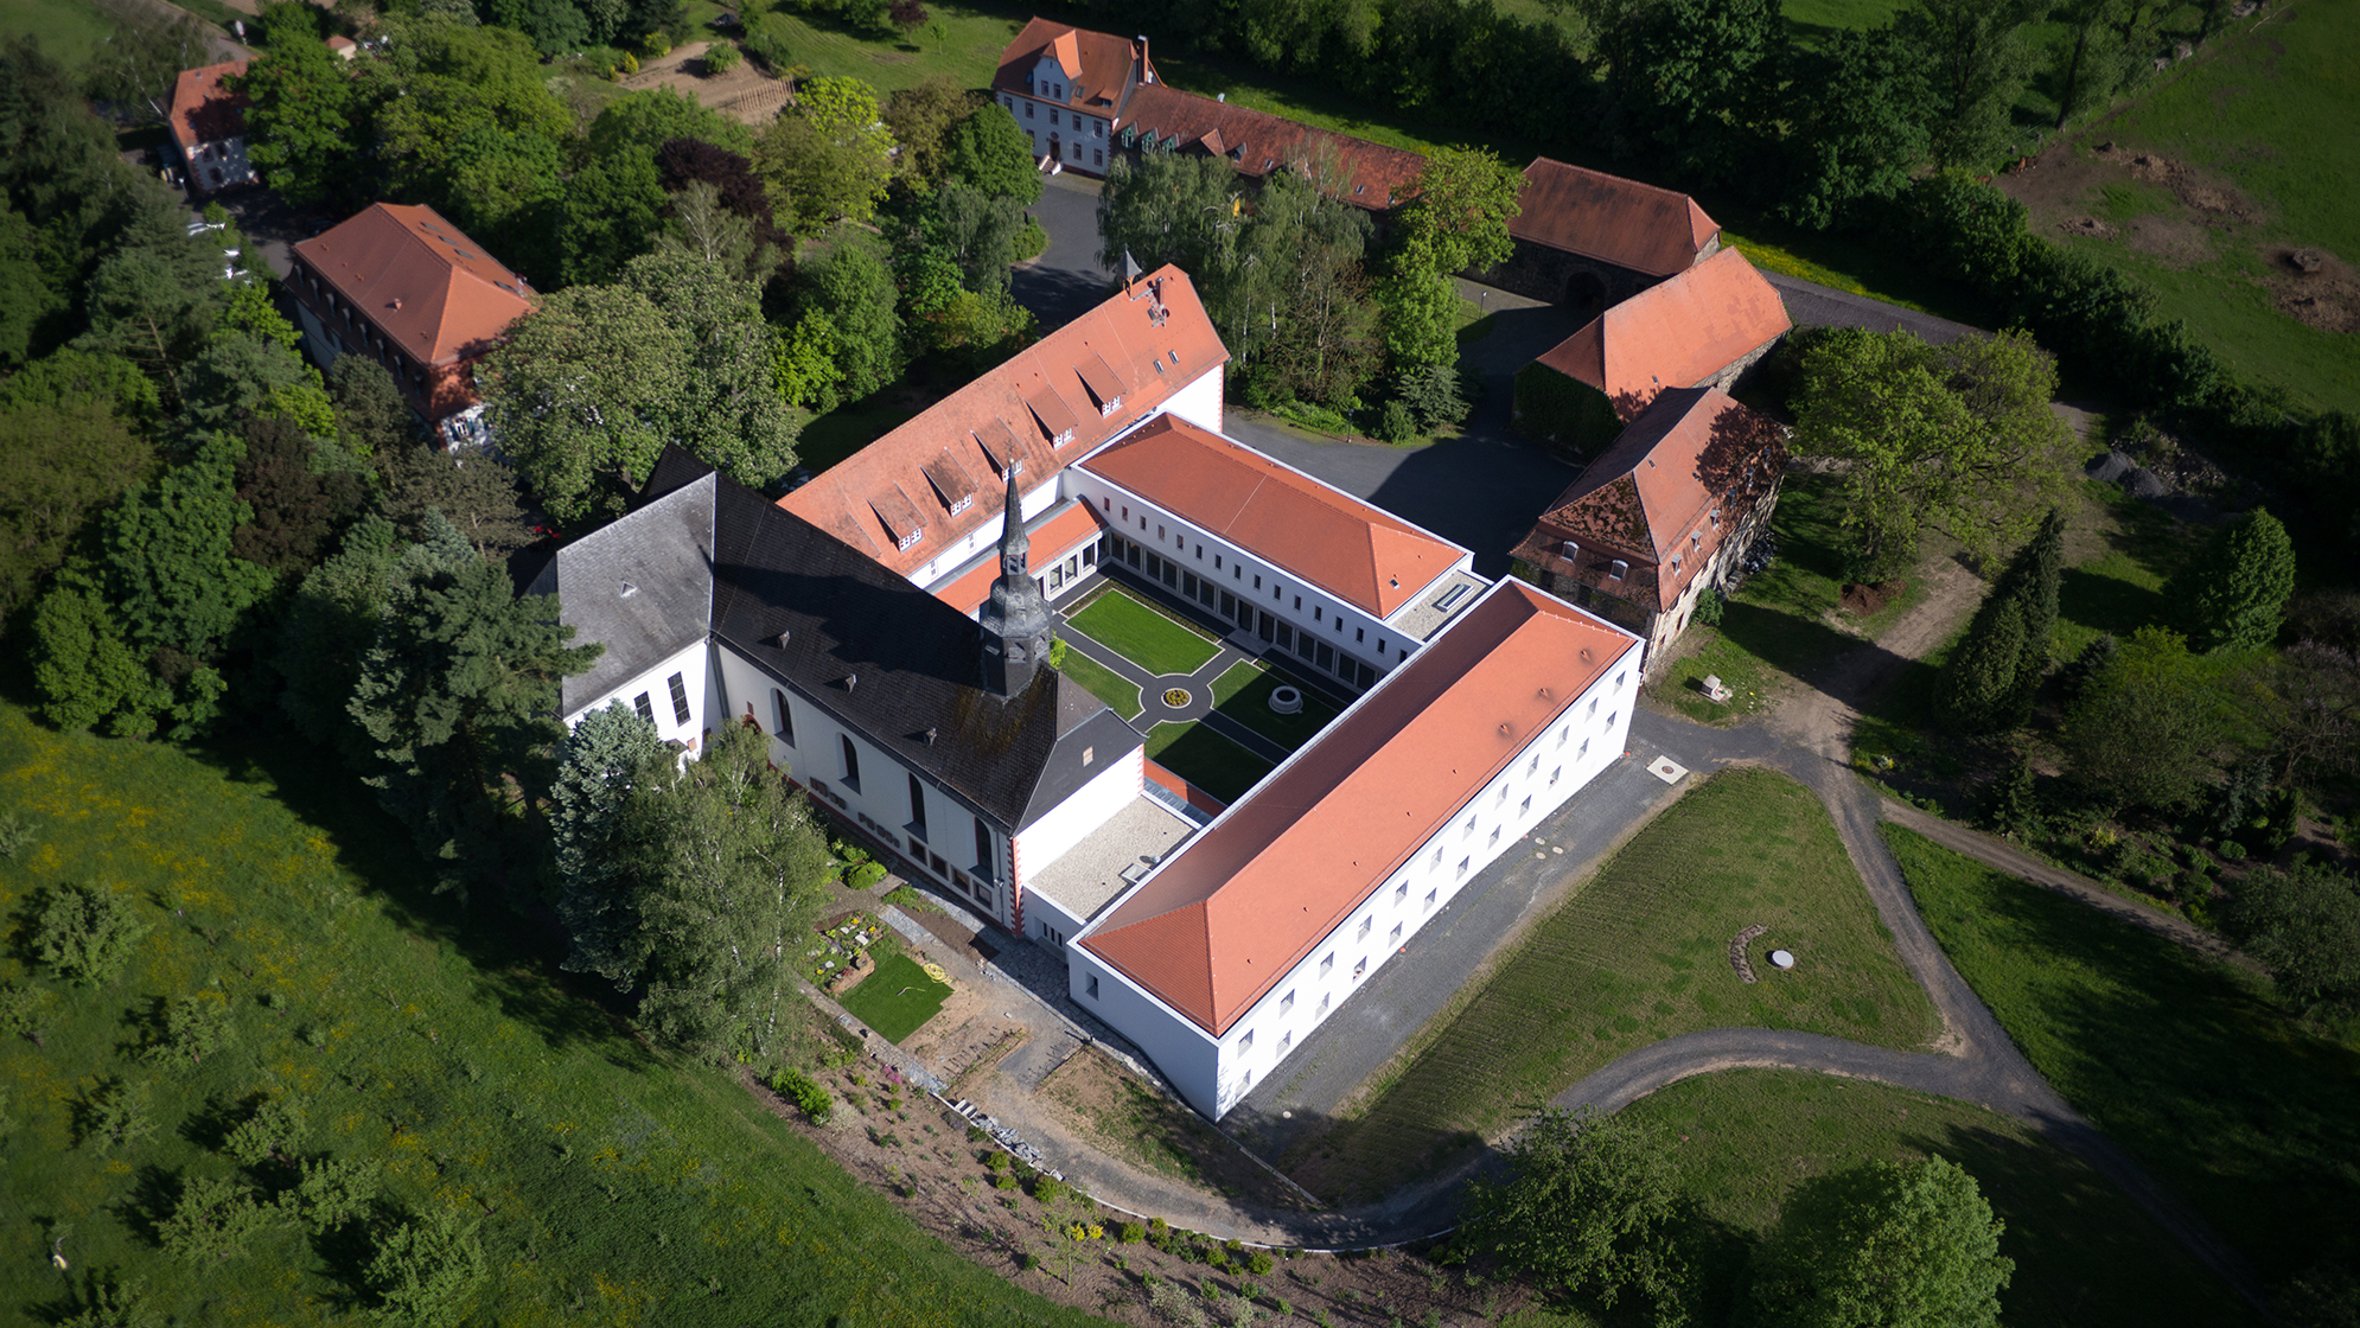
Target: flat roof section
1226, 919
1443, 601
1113, 858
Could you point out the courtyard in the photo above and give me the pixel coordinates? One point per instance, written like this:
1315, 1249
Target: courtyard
1214, 714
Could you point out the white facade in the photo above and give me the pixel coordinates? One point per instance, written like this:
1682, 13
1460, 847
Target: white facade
1052, 836
1060, 133
676, 696
1214, 1073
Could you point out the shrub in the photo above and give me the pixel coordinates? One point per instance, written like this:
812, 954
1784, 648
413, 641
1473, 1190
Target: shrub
766, 43
332, 1192
21, 1009
275, 1129
194, 1026
2232, 850
425, 1271
215, 1219
113, 1114
17, 835
815, 1102
997, 1162
1048, 1189
85, 933
721, 57
107, 1303
1032, 240
1709, 606
1003, 1181
1432, 394
1259, 1263
1395, 423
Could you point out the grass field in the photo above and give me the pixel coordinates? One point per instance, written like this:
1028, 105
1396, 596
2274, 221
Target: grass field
2184, 1061
1785, 623
966, 53
614, 1185
1143, 634
2118, 587
1242, 692
1102, 682
1743, 1140
897, 999
68, 30
2250, 115
1206, 759
1638, 955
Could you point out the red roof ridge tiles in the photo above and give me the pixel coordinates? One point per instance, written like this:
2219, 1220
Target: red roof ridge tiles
420, 279
1642, 227
1037, 409
1678, 333
1255, 893
1373, 175
1652, 497
204, 111
1357, 552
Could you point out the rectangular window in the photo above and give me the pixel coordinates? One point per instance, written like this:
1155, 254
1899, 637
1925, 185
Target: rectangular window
1326, 962
1052, 115
1028, 110
1090, 986
1298, 603
1617, 570
1495, 837
1469, 827
1463, 865
646, 711
1286, 1002
1246, 1043
1360, 969
1284, 1042
1365, 924
782, 719
1257, 580
1623, 679
984, 865
1527, 808
1556, 774
851, 762
1098, 155
1432, 895
1323, 1005
1395, 938
679, 686
1400, 891
917, 808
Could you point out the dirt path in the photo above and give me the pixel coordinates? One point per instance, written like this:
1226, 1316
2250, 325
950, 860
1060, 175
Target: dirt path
1821, 715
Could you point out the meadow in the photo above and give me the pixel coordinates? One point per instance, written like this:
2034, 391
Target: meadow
611, 1183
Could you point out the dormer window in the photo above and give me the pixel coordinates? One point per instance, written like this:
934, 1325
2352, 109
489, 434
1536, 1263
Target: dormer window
1617, 570
1572, 550
1716, 518
909, 541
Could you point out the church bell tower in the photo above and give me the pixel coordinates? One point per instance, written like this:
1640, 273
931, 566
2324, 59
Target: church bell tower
1016, 621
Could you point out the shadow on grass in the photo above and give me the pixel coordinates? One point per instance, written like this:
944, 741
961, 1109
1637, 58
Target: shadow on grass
2239, 1110
2106, 603
1211, 762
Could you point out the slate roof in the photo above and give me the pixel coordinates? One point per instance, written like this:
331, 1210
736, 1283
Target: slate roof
1369, 175
203, 111
642, 587
1606, 217
1360, 554
1230, 916
1676, 484
1144, 343
1679, 333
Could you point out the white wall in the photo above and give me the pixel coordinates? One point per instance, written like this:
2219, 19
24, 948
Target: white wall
1585, 738
950, 558
1085, 141
881, 805
693, 663
1072, 821
1199, 403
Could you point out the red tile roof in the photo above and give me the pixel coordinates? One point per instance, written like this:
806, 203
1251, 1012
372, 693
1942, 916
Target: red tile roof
1256, 892
1364, 556
1676, 334
1371, 175
423, 284
1145, 342
1100, 68
1662, 499
1614, 220
203, 111
1051, 540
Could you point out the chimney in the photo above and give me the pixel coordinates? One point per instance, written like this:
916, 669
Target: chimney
1146, 69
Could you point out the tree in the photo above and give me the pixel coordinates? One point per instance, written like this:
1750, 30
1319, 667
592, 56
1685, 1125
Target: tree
923, 119
192, 1026
828, 157
87, 934
615, 201
1977, 61
330, 1193
734, 871
1956, 437
328, 626
1990, 680
602, 764
242, 377
215, 1219
1466, 198
272, 1131
2104, 42
2312, 707
59, 464
458, 698
728, 413
1861, 132
2303, 924
301, 108
425, 1272
2236, 592
83, 667
1908, 1246
989, 151
847, 321
1698, 75
296, 509
476, 494
2148, 727
584, 394
1588, 1209
154, 301
2015, 804
136, 67
980, 232
707, 227
371, 418
113, 1114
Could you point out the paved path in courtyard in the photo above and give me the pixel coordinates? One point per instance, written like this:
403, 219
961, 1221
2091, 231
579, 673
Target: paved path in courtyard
1198, 708
1810, 304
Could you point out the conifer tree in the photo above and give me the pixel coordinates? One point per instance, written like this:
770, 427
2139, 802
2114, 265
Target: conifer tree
2236, 594
1978, 681
2032, 580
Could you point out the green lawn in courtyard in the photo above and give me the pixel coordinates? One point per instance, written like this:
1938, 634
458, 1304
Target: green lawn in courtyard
1143, 634
1102, 682
1743, 1140
1637, 955
1206, 759
897, 999
1242, 692
613, 1184
2187, 1062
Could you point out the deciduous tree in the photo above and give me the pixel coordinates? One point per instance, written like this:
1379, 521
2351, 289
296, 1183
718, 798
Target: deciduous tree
1466, 198
2148, 728
1912, 1246
1977, 61
2303, 923
728, 413
301, 112
990, 151
60, 463
1861, 128
828, 157
1588, 1209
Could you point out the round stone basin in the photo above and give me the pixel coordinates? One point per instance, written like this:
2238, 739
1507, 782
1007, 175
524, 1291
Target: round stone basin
1285, 700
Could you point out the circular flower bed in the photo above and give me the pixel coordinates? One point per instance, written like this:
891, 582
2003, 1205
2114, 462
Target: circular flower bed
1175, 697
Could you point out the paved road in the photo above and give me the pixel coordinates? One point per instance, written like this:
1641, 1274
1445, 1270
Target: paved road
1067, 279
1810, 304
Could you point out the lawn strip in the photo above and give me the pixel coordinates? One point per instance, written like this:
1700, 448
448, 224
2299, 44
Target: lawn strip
1145, 635
1102, 682
1206, 759
897, 999
1242, 693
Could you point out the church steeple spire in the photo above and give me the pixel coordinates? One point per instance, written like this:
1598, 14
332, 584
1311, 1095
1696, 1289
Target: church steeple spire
1016, 621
